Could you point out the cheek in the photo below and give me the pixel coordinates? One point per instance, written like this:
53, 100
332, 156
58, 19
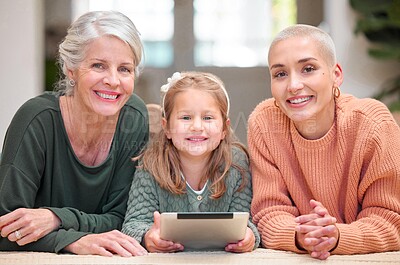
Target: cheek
128, 84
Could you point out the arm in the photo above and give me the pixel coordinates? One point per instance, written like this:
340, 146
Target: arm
377, 224
272, 209
142, 203
241, 200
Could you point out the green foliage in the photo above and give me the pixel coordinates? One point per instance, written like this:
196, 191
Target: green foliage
379, 21
51, 74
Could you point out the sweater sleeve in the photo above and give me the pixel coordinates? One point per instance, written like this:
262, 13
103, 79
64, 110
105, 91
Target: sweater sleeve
142, 202
241, 199
377, 226
272, 208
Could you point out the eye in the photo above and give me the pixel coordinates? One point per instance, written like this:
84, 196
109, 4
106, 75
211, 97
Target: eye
279, 74
308, 69
185, 118
125, 69
207, 118
98, 65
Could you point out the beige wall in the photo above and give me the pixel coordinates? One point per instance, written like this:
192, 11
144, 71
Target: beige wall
21, 53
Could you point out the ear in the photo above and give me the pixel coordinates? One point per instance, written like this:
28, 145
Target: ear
165, 128
228, 125
71, 74
338, 75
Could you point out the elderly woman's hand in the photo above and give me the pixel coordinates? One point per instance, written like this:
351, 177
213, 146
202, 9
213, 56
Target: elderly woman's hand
107, 244
24, 226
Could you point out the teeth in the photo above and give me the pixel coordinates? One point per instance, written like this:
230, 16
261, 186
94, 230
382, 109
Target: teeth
299, 100
195, 139
105, 96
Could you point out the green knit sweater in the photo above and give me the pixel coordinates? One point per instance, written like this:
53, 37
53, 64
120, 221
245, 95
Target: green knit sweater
146, 196
39, 169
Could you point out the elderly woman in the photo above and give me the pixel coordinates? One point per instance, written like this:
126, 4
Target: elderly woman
66, 164
326, 166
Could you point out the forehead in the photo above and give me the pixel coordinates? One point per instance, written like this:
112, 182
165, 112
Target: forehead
109, 46
295, 48
195, 100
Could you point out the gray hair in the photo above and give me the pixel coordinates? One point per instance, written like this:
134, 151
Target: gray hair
323, 40
85, 29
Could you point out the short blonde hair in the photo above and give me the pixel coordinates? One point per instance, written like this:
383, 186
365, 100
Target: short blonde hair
323, 40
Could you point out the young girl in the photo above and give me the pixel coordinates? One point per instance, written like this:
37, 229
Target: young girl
193, 164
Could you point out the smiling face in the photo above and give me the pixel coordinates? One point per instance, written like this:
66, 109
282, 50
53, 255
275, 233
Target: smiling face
105, 78
302, 82
195, 126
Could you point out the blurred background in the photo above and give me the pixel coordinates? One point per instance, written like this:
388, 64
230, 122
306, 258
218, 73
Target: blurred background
229, 38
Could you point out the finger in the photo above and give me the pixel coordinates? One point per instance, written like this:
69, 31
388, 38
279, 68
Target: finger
8, 229
327, 231
312, 241
320, 255
9, 218
134, 248
318, 208
157, 220
325, 245
306, 229
302, 219
169, 249
100, 251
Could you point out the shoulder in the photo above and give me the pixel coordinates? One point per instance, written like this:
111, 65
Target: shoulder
35, 106
136, 104
240, 158
266, 114
263, 107
133, 119
239, 153
38, 104
365, 109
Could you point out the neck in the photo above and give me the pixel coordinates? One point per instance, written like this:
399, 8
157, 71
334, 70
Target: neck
194, 170
90, 134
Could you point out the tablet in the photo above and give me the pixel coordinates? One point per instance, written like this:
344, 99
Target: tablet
204, 230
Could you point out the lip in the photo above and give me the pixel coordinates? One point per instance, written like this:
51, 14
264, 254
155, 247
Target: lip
196, 139
107, 95
299, 101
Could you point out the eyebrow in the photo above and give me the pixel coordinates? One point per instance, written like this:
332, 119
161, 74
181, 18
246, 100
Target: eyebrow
103, 60
278, 65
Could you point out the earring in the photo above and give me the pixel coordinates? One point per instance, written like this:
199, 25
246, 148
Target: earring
71, 82
336, 92
276, 104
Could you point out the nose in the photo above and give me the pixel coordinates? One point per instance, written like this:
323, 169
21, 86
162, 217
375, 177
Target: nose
197, 124
112, 78
295, 84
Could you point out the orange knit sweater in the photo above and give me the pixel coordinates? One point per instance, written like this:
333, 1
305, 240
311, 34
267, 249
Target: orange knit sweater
354, 171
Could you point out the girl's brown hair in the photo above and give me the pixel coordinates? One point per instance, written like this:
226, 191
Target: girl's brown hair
161, 158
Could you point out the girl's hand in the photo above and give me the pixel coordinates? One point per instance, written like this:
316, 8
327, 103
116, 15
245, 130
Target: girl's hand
245, 245
107, 244
24, 226
154, 243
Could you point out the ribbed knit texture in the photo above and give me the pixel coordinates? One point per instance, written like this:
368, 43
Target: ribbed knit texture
354, 171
